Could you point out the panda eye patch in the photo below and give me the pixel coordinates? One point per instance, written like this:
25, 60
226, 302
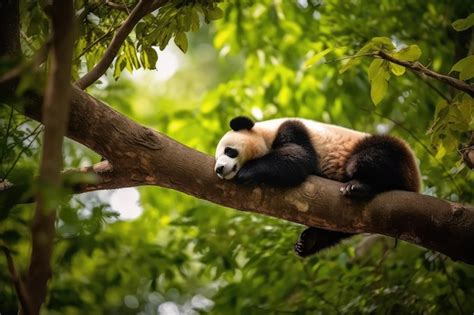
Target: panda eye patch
231, 152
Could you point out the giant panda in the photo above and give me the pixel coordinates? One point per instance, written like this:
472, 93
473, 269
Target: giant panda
284, 152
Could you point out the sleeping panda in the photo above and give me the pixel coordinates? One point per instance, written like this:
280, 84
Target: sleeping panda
284, 152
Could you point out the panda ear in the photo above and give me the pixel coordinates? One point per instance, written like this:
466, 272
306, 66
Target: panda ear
241, 122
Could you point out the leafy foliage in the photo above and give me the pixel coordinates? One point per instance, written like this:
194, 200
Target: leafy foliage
267, 59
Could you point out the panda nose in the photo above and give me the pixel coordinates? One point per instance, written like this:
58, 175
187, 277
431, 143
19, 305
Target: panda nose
220, 169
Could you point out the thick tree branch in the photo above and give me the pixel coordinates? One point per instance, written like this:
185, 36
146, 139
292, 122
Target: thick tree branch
55, 114
418, 67
143, 8
141, 156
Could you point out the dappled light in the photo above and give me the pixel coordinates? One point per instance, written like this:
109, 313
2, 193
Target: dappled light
112, 204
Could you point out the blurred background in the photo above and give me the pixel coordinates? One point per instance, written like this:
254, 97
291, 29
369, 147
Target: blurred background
149, 250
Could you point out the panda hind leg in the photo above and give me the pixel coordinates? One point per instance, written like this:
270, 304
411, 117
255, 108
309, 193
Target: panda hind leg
357, 189
380, 163
313, 240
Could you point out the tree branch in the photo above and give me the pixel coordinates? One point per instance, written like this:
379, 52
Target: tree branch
17, 283
118, 6
55, 117
143, 8
158, 160
418, 67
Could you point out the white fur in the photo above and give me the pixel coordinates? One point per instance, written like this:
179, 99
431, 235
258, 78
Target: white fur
333, 144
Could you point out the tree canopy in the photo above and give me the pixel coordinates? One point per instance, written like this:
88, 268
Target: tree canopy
185, 68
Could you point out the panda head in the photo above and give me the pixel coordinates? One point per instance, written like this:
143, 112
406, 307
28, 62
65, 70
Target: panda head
238, 146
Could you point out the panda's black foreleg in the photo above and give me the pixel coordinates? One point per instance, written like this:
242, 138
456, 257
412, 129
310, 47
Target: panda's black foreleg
313, 240
286, 166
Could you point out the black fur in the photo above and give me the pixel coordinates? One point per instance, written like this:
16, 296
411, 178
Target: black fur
313, 240
382, 163
289, 162
377, 163
241, 122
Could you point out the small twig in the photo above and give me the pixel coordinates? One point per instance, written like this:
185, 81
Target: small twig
433, 87
350, 57
418, 67
17, 283
117, 6
91, 45
23, 150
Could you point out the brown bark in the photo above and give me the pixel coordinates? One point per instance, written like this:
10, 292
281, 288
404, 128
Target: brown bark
55, 114
141, 156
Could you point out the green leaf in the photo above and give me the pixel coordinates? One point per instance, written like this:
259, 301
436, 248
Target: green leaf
442, 104
194, 21
441, 152
120, 64
410, 53
464, 24
379, 85
467, 108
375, 68
467, 73
184, 20
374, 44
354, 60
148, 57
397, 69
181, 41
215, 13
383, 42
165, 38
465, 67
131, 56
315, 58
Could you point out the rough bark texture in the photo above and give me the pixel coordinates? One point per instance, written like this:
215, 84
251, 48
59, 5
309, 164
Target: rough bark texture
55, 112
159, 160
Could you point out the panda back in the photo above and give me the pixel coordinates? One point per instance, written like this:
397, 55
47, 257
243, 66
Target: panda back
334, 145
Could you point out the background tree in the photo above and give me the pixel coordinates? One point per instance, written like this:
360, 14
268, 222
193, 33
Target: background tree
327, 61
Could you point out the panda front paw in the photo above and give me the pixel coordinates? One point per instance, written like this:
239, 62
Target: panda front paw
305, 249
356, 189
306, 244
245, 177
